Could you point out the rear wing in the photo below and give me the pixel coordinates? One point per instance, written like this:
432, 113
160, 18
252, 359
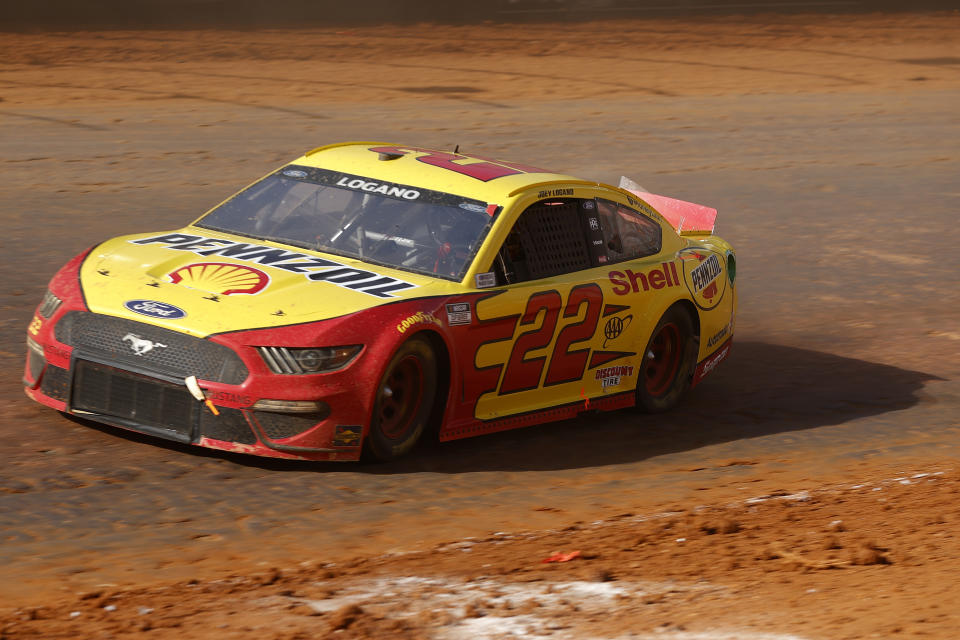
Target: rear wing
687, 218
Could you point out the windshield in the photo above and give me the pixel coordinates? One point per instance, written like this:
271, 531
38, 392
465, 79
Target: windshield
406, 227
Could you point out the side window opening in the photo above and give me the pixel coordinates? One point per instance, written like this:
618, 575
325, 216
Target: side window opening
627, 234
563, 235
548, 239
510, 264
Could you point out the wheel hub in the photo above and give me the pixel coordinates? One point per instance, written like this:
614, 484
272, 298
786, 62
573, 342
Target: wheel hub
662, 360
400, 398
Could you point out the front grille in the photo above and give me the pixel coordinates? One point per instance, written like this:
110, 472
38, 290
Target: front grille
137, 399
230, 426
177, 354
277, 426
55, 382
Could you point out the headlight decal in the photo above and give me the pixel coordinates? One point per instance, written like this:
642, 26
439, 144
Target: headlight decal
298, 361
35, 359
49, 305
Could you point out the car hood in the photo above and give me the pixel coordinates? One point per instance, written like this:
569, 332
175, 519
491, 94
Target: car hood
204, 282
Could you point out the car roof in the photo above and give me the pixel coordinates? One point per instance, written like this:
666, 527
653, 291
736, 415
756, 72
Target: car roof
473, 176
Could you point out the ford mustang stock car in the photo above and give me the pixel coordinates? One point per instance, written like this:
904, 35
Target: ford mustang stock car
367, 294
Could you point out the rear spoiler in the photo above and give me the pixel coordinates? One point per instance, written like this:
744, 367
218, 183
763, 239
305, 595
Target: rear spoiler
687, 218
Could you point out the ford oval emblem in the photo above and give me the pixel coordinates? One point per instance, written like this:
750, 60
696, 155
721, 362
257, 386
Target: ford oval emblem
295, 173
155, 309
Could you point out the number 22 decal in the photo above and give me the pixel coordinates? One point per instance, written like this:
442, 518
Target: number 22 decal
566, 365
485, 171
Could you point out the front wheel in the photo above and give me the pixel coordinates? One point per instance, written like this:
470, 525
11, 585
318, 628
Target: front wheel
668, 362
404, 401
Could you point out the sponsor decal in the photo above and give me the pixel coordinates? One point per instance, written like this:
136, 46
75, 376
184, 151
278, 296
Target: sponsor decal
710, 363
469, 206
612, 376
702, 271
486, 280
347, 435
614, 327
313, 268
35, 325
459, 313
220, 278
227, 396
624, 370
142, 346
718, 336
628, 280
610, 381
294, 173
704, 275
57, 351
155, 309
555, 193
418, 318
645, 209
359, 184
594, 224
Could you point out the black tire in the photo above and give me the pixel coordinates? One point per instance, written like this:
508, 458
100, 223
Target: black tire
668, 362
403, 402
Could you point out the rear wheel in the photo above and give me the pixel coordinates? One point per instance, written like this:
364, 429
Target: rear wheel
668, 362
404, 401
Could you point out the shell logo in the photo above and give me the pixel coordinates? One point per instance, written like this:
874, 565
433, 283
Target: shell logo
220, 278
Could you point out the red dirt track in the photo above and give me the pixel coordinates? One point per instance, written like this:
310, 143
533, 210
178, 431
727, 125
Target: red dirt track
807, 490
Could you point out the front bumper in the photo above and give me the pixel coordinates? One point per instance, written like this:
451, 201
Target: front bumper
88, 365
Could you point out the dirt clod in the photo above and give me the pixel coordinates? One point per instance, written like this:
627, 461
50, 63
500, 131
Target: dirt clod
345, 616
867, 553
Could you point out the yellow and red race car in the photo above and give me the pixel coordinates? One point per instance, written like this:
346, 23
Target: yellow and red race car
367, 294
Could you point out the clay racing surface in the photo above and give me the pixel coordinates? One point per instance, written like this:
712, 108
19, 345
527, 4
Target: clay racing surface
807, 490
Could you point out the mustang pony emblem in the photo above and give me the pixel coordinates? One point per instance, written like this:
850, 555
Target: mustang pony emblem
140, 345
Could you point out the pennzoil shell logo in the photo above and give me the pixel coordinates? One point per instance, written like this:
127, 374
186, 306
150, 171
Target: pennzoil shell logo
703, 273
220, 278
